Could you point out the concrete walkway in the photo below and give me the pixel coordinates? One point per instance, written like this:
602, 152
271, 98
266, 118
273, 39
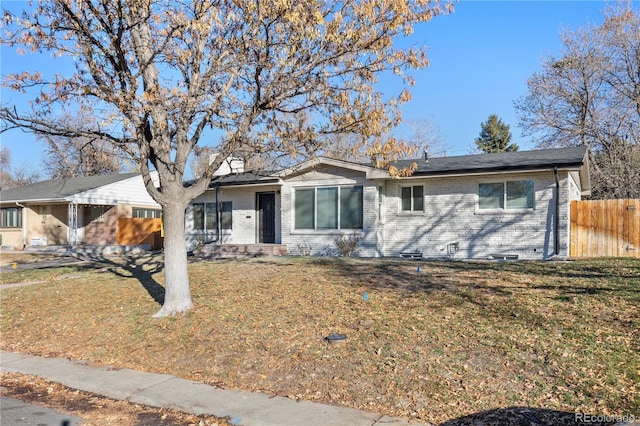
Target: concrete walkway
167, 391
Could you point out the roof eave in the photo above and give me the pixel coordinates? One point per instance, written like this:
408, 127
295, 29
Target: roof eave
315, 162
37, 200
259, 182
382, 174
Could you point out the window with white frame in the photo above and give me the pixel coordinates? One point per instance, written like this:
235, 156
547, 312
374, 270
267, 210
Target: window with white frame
509, 195
146, 213
204, 216
412, 198
11, 217
326, 208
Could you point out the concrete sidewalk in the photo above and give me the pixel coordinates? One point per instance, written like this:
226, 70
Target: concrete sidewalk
167, 391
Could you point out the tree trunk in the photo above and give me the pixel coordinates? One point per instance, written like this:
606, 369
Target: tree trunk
177, 297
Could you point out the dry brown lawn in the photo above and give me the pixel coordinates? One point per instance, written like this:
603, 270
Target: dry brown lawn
454, 339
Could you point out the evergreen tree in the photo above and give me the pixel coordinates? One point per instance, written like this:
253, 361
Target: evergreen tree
495, 136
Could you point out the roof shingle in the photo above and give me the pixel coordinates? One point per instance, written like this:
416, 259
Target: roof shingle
519, 160
60, 189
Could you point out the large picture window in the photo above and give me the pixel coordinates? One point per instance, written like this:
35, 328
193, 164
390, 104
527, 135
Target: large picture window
11, 217
204, 216
338, 207
510, 195
413, 198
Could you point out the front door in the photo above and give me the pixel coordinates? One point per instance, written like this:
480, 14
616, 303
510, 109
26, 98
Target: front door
267, 217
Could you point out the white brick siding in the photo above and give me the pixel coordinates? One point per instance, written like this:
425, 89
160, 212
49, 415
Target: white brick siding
244, 215
322, 242
451, 215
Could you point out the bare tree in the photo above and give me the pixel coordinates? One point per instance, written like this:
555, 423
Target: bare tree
162, 73
425, 134
616, 172
590, 95
71, 156
415, 136
12, 176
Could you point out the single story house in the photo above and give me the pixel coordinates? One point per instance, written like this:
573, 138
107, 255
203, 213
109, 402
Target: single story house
81, 210
505, 205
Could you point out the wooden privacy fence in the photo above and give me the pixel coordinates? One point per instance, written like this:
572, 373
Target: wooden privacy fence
605, 228
140, 231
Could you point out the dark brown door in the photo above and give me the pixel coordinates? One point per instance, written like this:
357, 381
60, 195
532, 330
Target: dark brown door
267, 217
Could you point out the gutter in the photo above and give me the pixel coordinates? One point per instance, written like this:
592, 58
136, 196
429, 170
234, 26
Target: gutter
37, 200
556, 230
381, 174
251, 183
215, 240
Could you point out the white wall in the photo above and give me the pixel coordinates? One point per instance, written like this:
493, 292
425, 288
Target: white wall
244, 215
128, 191
322, 242
451, 215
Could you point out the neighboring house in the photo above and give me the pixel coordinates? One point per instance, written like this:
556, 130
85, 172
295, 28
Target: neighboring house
82, 210
476, 206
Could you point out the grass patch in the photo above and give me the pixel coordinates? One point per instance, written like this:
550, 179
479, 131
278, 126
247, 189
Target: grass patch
21, 257
50, 273
454, 339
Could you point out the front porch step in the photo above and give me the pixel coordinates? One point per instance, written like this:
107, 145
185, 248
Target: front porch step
240, 250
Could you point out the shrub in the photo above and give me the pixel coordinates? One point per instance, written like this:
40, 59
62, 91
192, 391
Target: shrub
304, 248
347, 244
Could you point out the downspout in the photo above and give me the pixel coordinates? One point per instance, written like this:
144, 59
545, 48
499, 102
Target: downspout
24, 225
556, 231
217, 186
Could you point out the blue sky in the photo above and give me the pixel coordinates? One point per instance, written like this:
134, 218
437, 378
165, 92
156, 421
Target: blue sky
480, 58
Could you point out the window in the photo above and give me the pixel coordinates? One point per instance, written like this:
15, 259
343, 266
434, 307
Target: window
413, 198
329, 208
226, 216
351, 207
520, 194
510, 195
204, 216
380, 203
491, 196
147, 213
305, 208
97, 213
44, 213
327, 214
11, 217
